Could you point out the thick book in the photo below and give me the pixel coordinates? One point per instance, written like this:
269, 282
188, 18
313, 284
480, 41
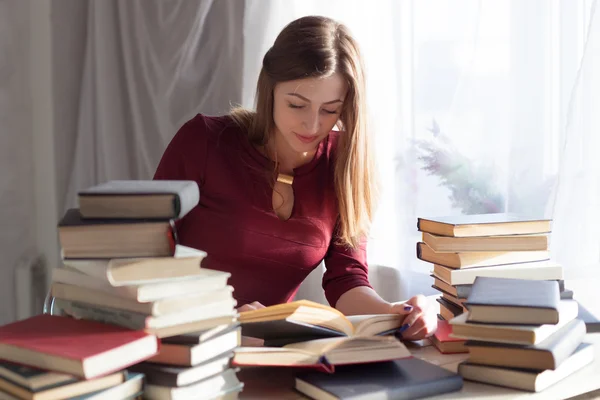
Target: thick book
526, 379
548, 354
206, 281
307, 320
155, 308
496, 224
216, 386
512, 334
139, 199
409, 378
115, 238
174, 376
189, 355
476, 259
188, 320
66, 390
184, 264
82, 348
443, 340
538, 271
323, 354
513, 301
486, 243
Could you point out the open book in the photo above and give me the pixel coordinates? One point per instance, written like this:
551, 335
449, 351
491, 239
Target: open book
306, 320
324, 354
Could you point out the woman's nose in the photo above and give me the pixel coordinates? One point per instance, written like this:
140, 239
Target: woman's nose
311, 124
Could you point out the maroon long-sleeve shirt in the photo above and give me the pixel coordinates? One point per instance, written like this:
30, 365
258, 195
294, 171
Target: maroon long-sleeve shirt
268, 258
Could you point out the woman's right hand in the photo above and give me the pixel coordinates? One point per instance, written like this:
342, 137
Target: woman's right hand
246, 340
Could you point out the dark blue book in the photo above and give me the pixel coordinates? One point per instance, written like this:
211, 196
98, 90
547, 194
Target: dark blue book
513, 301
33, 379
409, 378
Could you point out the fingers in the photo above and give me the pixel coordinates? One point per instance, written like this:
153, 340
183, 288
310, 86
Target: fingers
402, 308
255, 305
421, 322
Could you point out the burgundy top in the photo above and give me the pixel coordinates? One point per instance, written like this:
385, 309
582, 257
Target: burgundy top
268, 258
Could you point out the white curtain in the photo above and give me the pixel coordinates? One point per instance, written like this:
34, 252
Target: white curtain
478, 106
148, 68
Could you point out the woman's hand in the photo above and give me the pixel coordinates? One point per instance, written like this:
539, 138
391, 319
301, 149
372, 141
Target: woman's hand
420, 321
255, 305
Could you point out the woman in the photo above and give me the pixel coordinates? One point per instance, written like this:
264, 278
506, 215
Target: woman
281, 190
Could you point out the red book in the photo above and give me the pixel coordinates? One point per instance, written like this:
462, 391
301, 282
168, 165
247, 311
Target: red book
446, 344
83, 348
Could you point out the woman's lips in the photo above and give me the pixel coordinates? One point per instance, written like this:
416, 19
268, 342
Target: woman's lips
306, 139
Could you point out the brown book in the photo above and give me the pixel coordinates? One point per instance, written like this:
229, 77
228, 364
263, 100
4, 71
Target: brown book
115, 238
526, 379
479, 258
484, 225
486, 243
548, 354
139, 199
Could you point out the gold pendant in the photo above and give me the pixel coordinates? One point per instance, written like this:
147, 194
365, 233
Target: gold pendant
284, 178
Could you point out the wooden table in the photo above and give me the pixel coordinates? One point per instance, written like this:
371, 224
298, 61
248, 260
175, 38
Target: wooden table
278, 383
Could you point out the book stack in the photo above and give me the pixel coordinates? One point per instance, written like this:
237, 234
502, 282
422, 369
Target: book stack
520, 334
123, 265
462, 248
53, 358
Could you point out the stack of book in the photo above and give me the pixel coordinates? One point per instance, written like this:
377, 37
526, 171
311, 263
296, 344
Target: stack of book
520, 334
462, 248
122, 265
53, 358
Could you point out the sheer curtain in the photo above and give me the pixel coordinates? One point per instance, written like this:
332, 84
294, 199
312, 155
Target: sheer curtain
477, 106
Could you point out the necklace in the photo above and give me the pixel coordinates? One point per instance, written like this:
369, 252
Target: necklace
285, 178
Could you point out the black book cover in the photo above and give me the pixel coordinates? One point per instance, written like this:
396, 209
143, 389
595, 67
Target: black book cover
409, 378
456, 310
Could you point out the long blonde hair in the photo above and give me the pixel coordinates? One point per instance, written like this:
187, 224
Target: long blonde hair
312, 47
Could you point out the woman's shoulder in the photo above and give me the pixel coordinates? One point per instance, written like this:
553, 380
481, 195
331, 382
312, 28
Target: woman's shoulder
206, 127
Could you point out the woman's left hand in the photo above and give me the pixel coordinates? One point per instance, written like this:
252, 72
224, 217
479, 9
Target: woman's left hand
420, 322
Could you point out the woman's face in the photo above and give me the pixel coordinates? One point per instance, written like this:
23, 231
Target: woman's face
305, 110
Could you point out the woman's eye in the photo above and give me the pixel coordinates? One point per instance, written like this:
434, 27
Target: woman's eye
330, 112
295, 106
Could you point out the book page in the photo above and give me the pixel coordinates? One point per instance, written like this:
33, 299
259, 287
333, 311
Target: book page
374, 324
